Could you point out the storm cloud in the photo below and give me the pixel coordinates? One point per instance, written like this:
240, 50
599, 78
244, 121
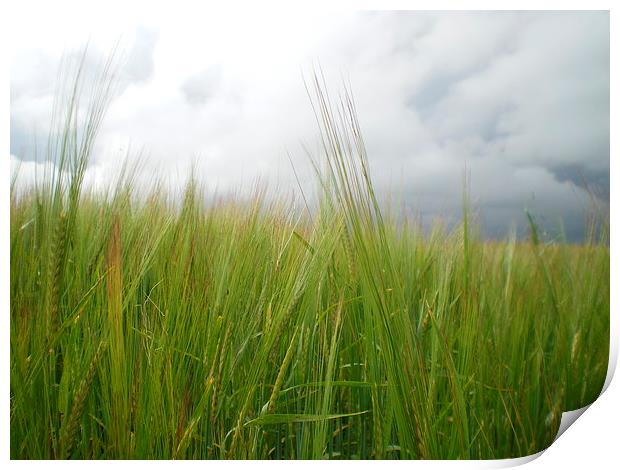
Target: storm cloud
517, 100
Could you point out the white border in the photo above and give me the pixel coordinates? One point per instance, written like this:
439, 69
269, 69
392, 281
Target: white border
591, 441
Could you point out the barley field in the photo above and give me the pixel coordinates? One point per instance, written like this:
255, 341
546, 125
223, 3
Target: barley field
157, 328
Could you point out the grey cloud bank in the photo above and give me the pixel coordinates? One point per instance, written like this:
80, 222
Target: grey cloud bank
520, 99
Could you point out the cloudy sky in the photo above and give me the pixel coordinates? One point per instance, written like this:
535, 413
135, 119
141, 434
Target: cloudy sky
520, 99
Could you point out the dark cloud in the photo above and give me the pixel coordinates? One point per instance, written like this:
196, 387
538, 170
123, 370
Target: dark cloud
520, 100
199, 88
593, 180
140, 64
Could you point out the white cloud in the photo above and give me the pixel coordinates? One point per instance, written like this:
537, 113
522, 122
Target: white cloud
523, 98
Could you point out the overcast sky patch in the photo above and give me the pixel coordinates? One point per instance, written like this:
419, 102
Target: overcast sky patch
519, 99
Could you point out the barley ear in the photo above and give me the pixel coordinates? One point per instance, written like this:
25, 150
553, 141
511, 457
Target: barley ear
280, 378
55, 267
70, 426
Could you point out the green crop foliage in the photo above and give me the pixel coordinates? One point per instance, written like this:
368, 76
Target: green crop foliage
142, 328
